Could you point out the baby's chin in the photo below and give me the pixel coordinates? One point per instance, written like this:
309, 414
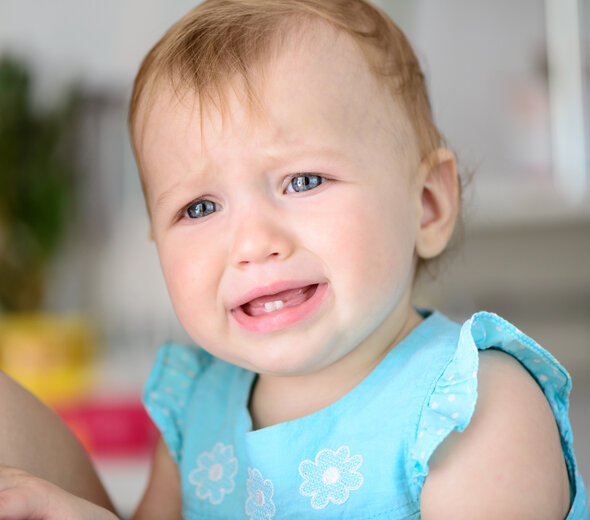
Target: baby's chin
281, 358
285, 363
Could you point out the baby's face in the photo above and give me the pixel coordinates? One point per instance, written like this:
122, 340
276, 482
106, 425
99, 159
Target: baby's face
287, 238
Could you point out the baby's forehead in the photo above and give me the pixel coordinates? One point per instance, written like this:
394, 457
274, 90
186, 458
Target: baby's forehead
211, 82
320, 77
323, 54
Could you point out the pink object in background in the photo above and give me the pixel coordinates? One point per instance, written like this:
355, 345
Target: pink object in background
112, 428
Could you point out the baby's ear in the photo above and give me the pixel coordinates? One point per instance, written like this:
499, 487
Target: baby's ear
439, 202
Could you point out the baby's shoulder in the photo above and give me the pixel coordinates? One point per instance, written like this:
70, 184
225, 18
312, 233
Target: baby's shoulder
508, 463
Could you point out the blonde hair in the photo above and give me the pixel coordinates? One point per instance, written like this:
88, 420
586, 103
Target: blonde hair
221, 39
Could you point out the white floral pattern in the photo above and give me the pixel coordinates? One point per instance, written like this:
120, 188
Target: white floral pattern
259, 505
331, 477
214, 476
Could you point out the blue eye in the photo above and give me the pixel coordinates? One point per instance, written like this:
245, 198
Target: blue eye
201, 208
304, 182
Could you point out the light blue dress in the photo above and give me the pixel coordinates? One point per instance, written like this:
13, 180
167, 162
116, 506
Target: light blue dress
363, 457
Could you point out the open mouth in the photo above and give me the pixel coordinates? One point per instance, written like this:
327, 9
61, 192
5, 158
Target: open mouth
275, 302
281, 309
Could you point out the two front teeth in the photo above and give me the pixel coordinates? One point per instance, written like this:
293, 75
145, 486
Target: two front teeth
274, 306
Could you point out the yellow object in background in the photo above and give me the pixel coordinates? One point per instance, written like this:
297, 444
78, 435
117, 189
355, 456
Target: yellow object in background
49, 354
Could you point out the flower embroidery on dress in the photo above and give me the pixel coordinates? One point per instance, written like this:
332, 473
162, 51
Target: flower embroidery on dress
259, 505
331, 477
214, 476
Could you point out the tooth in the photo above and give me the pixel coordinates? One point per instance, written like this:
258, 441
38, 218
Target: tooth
273, 306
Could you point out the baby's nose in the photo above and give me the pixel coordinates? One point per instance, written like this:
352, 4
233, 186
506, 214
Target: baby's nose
260, 237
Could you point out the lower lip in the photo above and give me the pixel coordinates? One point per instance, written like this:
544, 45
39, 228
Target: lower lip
283, 318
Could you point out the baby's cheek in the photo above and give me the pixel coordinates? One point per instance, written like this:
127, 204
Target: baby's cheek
387, 264
181, 278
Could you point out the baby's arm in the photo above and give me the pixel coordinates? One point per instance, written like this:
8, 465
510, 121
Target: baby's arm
34, 440
508, 463
162, 499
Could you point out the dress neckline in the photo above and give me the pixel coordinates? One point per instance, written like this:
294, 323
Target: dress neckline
430, 319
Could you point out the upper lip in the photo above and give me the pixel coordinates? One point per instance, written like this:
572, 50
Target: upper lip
270, 289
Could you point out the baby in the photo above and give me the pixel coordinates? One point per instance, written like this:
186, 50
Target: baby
296, 184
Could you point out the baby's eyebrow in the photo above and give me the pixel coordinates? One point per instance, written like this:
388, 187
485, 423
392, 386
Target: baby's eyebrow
165, 196
175, 191
295, 150
190, 180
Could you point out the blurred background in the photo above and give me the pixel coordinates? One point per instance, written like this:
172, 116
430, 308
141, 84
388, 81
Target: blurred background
83, 306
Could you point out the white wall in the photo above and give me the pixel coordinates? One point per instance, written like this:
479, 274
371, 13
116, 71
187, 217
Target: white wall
100, 42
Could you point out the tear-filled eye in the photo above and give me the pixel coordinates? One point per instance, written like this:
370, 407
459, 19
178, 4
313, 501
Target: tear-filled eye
201, 208
304, 182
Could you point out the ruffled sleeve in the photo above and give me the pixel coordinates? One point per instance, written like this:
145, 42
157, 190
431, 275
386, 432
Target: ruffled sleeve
169, 389
448, 406
491, 331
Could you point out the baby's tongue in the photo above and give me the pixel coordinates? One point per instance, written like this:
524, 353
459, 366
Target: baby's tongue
275, 302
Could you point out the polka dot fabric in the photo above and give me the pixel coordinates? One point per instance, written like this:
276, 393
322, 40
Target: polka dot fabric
169, 389
449, 405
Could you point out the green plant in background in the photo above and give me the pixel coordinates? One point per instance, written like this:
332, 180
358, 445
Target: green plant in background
36, 186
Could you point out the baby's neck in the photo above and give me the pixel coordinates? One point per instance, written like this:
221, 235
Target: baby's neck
277, 399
